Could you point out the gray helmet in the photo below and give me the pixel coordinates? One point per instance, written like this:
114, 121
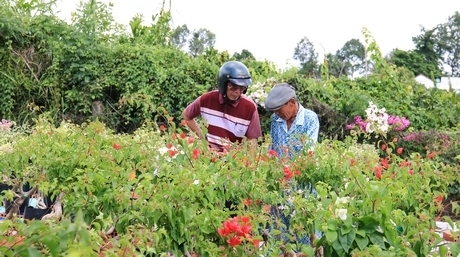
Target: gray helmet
235, 72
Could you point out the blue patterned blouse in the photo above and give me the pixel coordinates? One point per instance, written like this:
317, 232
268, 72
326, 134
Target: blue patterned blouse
303, 131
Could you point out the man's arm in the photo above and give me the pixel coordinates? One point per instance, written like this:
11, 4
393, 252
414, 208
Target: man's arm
312, 129
189, 115
254, 130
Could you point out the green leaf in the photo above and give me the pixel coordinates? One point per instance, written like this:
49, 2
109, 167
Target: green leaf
443, 250
362, 242
33, 252
417, 248
332, 224
454, 248
347, 240
338, 248
361, 232
345, 230
331, 235
370, 224
52, 242
377, 239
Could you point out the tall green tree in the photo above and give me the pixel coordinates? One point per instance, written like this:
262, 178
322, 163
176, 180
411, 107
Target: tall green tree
306, 54
180, 36
354, 54
244, 55
416, 62
201, 40
348, 60
448, 35
336, 65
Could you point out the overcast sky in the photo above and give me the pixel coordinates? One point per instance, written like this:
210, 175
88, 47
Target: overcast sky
271, 29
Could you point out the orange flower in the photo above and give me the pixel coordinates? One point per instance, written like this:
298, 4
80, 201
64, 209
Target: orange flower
162, 127
352, 162
431, 155
384, 147
132, 176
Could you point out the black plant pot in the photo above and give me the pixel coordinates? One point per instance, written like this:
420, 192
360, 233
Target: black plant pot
7, 204
31, 213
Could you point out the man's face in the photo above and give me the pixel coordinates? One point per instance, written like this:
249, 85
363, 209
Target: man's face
234, 91
287, 111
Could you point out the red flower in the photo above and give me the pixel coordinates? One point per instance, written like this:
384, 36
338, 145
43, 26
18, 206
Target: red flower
183, 135
245, 219
247, 201
384, 147
439, 199
378, 172
411, 172
256, 243
196, 154
287, 172
405, 163
244, 230
116, 146
191, 140
272, 153
385, 163
162, 128
234, 241
431, 155
232, 225
223, 232
172, 152
400, 150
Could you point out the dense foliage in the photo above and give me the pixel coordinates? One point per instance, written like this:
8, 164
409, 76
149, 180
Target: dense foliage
96, 128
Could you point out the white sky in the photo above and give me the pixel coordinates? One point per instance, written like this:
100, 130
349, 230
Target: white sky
271, 29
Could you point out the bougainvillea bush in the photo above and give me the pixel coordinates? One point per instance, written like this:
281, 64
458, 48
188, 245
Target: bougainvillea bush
160, 191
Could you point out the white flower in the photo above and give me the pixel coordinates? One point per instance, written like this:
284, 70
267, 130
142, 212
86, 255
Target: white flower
163, 150
341, 213
342, 200
196, 182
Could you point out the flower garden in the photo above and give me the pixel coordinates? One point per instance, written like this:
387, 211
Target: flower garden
95, 160
160, 191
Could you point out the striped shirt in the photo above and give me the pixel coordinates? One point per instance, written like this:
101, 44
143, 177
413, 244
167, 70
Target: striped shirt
227, 122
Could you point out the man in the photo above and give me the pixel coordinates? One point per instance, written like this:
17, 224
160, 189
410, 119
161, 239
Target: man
292, 126
230, 115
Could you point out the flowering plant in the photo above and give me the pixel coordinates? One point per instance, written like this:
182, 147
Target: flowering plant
378, 121
259, 91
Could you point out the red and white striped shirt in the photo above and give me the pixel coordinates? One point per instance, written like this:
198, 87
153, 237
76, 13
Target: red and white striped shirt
227, 122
